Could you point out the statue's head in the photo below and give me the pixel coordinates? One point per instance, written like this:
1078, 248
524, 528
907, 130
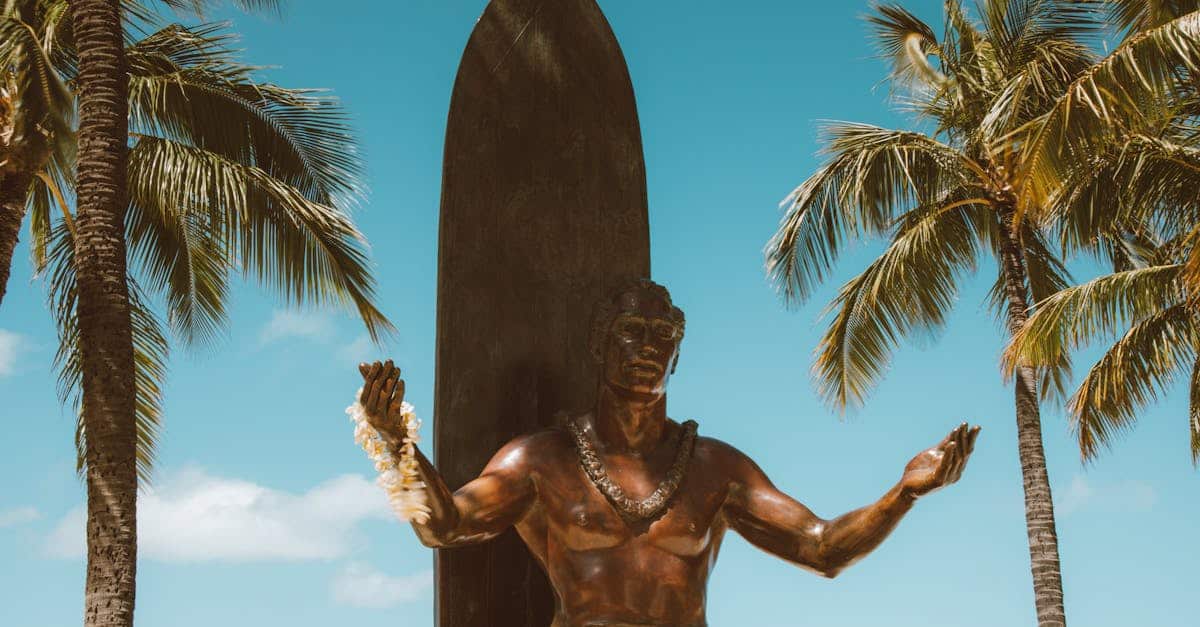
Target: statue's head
635, 336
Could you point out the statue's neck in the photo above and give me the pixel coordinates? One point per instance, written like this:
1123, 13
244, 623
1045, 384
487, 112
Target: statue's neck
629, 422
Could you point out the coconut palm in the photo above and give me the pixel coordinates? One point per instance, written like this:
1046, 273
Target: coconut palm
223, 173
944, 200
1002, 98
1133, 201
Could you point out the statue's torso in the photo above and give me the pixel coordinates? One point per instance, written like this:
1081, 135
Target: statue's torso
609, 571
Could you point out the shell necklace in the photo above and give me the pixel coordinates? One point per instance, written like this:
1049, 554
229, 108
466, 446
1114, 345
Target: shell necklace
629, 508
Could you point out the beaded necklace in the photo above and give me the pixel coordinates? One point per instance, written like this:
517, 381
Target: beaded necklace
630, 508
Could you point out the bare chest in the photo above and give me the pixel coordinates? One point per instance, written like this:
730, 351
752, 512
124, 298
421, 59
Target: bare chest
579, 518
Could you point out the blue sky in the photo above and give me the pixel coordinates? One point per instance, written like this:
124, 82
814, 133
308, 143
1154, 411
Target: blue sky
263, 512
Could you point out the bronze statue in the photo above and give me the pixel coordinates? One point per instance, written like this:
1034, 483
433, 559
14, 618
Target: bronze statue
626, 508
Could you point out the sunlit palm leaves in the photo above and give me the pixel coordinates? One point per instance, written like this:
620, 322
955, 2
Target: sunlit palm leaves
1158, 334
1132, 90
937, 198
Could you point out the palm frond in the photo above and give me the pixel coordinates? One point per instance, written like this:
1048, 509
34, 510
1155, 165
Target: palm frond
308, 252
908, 42
872, 176
183, 255
43, 108
202, 8
1019, 29
1099, 308
909, 288
1136, 16
1132, 373
187, 85
1112, 97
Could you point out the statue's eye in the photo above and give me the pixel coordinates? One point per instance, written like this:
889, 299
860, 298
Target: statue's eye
664, 330
630, 328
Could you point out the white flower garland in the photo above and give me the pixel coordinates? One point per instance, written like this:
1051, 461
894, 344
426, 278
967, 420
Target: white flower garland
398, 477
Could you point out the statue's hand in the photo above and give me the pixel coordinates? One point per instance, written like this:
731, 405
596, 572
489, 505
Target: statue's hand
382, 395
941, 465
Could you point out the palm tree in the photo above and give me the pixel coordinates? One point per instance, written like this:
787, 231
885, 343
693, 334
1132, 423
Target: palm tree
943, 199
224, 172
1004, 98
1134, 203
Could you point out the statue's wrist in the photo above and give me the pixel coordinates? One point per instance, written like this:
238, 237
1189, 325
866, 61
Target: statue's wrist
908, 494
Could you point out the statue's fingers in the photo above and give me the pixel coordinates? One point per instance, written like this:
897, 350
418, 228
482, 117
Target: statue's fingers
960, 462
385, 391
364, 370
395, 405
368, 381
382, 389
372, 387
946, 465
971, 440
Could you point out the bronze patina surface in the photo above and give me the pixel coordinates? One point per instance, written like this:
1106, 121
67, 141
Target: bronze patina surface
611, 569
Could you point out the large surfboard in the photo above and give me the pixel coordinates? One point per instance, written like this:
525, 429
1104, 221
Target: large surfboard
543, 211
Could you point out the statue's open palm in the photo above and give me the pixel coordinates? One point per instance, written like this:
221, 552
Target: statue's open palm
382, 397
941, 465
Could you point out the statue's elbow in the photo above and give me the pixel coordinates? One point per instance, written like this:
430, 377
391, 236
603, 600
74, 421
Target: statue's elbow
830, 571
432, 539
831, 563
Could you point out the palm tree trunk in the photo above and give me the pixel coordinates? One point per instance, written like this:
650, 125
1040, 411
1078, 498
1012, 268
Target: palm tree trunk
13, 188
105, 335
1039, 507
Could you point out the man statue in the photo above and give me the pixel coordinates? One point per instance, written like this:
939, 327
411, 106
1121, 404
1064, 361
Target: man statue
625, 508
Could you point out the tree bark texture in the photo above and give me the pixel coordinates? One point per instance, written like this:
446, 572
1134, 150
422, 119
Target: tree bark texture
105, 335
1039, 506
13, 190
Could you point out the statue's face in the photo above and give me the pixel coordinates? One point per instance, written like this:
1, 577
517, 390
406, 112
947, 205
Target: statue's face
642, 343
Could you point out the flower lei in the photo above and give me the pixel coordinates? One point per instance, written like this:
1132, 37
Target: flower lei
398, 477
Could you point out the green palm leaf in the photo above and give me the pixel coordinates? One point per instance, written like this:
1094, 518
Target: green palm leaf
909, 288
1125, 92
872, 176
1132, 373
308, 252
187, 85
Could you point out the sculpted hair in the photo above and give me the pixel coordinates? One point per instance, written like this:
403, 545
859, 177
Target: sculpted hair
607, 309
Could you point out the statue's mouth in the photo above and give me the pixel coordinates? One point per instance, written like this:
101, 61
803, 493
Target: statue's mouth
643, 367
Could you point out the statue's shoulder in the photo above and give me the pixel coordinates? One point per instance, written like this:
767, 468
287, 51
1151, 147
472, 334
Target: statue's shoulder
540, 443
721, 454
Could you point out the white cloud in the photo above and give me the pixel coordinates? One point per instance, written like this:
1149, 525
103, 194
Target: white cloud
285, 323
358, 351
18, 516
192, 517
10, 345
1129, 495
360, 585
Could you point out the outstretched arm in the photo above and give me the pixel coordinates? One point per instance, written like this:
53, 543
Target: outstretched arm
780, 525
480, 510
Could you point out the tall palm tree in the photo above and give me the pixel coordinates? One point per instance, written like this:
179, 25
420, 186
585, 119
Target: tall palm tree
1002, 96
224, 172
944, 199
